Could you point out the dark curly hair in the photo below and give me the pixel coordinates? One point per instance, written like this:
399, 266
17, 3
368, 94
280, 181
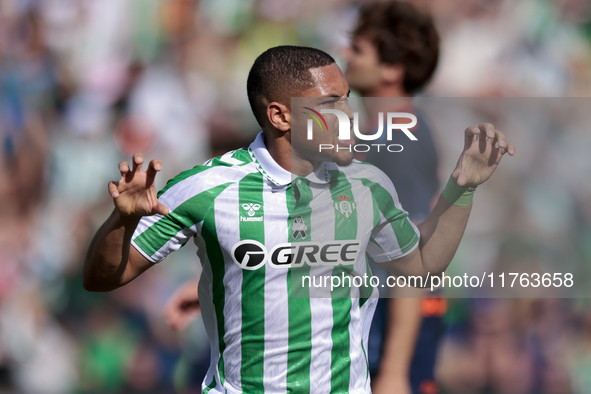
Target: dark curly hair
402, 35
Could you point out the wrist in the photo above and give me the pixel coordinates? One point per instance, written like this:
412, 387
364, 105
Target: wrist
126, 219
458, 195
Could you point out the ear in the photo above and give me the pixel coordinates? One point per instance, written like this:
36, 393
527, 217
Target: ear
279, 116
392, 73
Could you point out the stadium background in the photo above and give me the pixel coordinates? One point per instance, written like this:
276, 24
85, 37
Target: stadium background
84, 82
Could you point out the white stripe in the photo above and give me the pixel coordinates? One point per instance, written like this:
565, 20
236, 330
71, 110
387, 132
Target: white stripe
227, 223
276, 297
358, 366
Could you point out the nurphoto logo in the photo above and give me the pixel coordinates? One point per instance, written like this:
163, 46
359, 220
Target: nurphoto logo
345, 123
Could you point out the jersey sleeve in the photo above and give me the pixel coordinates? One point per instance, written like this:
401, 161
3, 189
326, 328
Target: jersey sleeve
189, 197
394, 235
155, 237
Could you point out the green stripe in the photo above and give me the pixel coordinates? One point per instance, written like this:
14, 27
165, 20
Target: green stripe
403, 230
212, 385
376, 213
299, 355
242, 155
345, 228
216, 261
185, 215
250, 191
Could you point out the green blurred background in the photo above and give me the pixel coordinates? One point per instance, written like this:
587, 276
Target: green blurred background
83, 83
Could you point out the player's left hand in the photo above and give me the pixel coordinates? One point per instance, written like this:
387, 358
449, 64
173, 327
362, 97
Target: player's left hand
483, 149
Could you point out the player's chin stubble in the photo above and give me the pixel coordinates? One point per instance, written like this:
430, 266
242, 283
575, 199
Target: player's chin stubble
342, 160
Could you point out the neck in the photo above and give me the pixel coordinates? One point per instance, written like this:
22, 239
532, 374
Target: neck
281, 150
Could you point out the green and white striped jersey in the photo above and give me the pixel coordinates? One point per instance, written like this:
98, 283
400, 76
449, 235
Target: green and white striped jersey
258, 231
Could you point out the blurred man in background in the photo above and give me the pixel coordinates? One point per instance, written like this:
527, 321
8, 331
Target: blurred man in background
394, 52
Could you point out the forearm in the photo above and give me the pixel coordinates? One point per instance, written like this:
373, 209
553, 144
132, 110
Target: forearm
441, 234
401, 335
442, 231
107, 258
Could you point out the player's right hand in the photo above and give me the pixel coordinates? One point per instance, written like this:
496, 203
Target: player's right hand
135, 194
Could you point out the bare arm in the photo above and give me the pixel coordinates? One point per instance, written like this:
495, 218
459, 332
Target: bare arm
442, 231
404, 315
441, 234
110, 261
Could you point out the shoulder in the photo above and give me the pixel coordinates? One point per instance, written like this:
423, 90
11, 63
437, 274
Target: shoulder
222, 170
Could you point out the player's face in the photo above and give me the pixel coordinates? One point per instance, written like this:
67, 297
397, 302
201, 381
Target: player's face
330, 92
363, 65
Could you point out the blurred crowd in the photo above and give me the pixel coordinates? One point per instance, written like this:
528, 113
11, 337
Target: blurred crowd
84, 84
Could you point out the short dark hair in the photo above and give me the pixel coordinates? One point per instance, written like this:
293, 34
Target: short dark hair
280, 73
402, 35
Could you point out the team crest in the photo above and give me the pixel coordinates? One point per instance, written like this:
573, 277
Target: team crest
344, 206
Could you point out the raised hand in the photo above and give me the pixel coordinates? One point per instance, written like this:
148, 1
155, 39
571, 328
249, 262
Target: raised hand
483, 149
135, 194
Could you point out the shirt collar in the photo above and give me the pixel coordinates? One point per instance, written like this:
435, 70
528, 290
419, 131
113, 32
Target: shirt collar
274, 172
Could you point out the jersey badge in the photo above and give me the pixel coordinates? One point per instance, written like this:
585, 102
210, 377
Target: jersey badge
344, 206
299, 228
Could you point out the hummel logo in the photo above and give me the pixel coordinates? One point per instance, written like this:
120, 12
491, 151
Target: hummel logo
251, 208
